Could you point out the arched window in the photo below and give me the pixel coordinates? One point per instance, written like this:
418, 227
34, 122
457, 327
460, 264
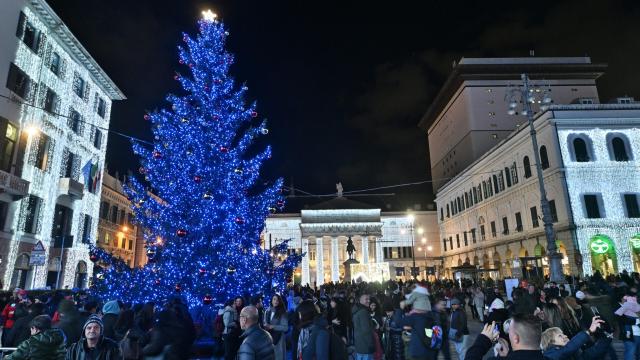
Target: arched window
580, 150
527, 167
544, 159
619, 148
507, 174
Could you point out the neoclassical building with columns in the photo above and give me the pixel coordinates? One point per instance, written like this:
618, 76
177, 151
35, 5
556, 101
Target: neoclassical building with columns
384, 242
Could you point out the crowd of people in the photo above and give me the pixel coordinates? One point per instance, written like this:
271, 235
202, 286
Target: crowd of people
392, 321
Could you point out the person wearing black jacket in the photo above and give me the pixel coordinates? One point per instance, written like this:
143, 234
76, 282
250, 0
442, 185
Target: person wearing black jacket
256, 342
459, 330
524, 334
441, 310
93, 345
21, 329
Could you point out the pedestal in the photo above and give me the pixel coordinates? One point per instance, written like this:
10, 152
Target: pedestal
347, 269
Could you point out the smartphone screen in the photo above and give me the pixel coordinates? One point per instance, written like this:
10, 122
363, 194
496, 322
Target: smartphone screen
595, 311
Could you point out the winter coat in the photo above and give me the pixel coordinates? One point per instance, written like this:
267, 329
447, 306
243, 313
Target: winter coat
109, 322
362, 330
459, 322
317, 346
21, 330
394, 346
280, 324
71, 324
230, 320
48, 344
478, 299
483, 344
107, 349
256, 344
8, 314
419, 299
167, 332
418, 322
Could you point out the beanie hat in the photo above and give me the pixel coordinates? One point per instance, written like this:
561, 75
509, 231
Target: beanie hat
111, 307
93, 319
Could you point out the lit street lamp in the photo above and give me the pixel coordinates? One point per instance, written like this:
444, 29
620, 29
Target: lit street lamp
413, 253
528, 95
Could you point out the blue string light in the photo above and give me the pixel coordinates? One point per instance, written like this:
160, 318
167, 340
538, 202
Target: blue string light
203, 236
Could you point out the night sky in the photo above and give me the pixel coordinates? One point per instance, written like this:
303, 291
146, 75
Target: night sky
343, 85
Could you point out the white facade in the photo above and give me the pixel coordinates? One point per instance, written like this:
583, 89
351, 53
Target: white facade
58, 101
386, 240
567, 181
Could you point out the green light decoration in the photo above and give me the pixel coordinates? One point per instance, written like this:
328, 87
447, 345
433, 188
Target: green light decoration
599, 245
635, 241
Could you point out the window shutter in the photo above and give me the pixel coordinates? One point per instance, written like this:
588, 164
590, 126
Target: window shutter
22, 20
86, 91
47, 55
42, 96
63, 68
50, 149
42, 43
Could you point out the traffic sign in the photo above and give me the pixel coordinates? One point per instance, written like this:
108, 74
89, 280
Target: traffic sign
38, 255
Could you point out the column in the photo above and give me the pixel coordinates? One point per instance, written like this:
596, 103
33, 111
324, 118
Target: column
379, 253
335, 260
319, 262
365, 249
305, 262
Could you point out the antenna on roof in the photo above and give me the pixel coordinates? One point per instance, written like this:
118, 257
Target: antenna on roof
532, 53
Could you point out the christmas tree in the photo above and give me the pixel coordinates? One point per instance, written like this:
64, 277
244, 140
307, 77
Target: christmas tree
202, 231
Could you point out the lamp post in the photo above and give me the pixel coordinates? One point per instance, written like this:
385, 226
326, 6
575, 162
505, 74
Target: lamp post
413, 252
528, 95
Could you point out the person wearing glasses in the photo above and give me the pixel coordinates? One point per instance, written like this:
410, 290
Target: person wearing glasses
256, 342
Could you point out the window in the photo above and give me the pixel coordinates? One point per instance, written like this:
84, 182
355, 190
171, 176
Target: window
466, 241
580, 150
122, 217
544, 159
505, 226
514, 173
458, 240
87, 230
552, 209
54, 65
496, 188
75, 122
484, 189
466, 200
494, 232
483, 235
473, 235
450, 243
114, 214
489, 187
507, 173
68, 166
441, 214
518, 222
444, 242
592, 206
97, 138
101, 107
475, 195
527, 167
619, 147
79, 85
104, 210
19, 82
534, 217
501, 180
106, 238
51, 101
479, 192
130, 244
32, 214
631, 202
41, 151
29, 35
447, 210
7, 145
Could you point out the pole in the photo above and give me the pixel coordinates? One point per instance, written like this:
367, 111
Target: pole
413, 253
61, 267
555, 259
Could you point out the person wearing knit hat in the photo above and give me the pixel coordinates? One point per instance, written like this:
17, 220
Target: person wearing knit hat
93, 345
110, 311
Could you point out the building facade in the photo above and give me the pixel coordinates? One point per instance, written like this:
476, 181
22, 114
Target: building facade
54, 111
384, 242
489, 215
116, 230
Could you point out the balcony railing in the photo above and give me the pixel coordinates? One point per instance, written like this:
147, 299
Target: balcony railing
13, 185
71, 187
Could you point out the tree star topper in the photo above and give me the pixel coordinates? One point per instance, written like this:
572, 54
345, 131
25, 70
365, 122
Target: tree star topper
209, 15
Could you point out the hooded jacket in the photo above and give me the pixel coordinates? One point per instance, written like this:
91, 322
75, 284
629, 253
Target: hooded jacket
362, 330
48, 344
111, 310
107, 349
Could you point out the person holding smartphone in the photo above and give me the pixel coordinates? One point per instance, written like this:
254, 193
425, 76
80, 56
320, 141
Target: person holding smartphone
557, 346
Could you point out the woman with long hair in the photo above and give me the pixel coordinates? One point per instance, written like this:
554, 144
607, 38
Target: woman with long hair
338, 316
550, 316
570, 324
232, 332
313, 342
277, 324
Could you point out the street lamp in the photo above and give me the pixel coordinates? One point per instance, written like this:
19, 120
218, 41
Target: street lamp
528, 95
413, 253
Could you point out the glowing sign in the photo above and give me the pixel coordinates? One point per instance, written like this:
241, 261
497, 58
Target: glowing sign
635, 241
599, 246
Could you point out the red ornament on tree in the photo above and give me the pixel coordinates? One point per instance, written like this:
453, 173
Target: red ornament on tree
197, 179
215, 117
93, 257
157, 281
182, 232
157, 154
224, 149
147, 117
202, 271
176, 77
208, 299
178, 287
185, 38
191, 66
181, 61
217, 81
239, 220
280, 203
254, 114
142, 170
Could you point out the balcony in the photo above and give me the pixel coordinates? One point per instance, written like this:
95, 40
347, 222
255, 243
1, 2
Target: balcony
71, 188
13, 185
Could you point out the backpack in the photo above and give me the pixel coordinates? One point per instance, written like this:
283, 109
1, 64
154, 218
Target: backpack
218, 326
432, 333
337, 347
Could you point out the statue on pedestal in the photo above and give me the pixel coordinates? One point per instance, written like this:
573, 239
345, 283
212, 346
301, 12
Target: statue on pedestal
350, 248
347, 264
